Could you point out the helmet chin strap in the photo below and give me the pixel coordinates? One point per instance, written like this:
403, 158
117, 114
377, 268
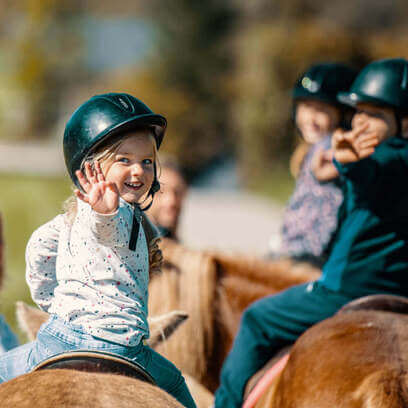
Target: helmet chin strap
136, 222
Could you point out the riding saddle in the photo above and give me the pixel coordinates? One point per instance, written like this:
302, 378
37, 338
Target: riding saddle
96, 362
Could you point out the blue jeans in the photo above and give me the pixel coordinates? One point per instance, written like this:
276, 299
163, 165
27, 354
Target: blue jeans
8, 339
56, 336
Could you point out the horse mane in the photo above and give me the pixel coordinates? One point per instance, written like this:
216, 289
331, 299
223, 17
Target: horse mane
188, 282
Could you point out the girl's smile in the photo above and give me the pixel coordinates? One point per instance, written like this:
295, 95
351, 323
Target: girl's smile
315, 119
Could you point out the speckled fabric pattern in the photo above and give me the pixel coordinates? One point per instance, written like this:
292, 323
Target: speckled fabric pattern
311, 214
100, 285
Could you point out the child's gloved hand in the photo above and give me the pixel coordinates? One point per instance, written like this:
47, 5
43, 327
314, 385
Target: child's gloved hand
353, 145
101, 195
322, 165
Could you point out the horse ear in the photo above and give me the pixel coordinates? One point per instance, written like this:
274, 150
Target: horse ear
163, 326
30, 319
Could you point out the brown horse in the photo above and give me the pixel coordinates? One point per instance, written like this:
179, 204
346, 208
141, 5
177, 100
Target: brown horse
75, 389
214, 289
352, 360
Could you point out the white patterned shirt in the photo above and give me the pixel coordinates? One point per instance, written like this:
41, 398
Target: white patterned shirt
96, 281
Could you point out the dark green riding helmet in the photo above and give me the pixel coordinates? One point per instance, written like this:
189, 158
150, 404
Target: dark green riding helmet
102, 117
323, 82
382, 83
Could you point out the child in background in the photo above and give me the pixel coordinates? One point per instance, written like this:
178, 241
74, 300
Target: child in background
370, 250
96, 287
310, 217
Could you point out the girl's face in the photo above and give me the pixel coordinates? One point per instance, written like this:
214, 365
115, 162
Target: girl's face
381, 120
315, 119
132, 167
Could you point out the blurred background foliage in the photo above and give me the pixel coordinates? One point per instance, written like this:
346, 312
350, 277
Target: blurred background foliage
220, 71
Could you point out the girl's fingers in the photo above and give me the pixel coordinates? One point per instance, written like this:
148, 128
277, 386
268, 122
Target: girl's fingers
368, 143
82, 180
81, 195
363, 153
98, 170
90, 175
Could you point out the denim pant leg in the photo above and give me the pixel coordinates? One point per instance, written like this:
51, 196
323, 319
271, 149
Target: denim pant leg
268, 325
16, 362
166, 375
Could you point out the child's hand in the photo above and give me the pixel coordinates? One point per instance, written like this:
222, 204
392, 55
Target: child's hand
101, 195
353, 145
322, 165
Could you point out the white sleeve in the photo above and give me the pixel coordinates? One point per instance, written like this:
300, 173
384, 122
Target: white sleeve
108, 229
41, 255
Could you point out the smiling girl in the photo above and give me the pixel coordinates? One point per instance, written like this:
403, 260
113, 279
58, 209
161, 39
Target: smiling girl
96, 287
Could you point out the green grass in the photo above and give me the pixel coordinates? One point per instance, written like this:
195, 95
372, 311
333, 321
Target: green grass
25, 203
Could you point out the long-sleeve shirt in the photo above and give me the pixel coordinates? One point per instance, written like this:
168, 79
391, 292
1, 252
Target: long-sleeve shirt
101, 285
370, 250
310, 218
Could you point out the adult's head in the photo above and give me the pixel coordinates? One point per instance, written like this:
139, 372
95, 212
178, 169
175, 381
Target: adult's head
168, 203
317, 111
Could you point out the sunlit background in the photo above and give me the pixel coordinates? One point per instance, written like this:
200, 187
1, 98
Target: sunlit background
220, 71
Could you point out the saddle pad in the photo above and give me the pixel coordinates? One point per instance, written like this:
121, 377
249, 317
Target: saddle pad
265, 382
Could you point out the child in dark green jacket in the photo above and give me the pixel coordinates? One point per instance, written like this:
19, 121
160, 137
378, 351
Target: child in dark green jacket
370, 251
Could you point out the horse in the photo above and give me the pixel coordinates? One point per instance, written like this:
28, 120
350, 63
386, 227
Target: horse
214, 288
355, 359
76, 389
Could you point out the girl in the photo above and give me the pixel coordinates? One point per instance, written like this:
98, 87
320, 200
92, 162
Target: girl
98, 296
310, 218
370, 251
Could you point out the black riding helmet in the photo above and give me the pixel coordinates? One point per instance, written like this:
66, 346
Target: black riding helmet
103, 117
323, 82
99, 119
381, 83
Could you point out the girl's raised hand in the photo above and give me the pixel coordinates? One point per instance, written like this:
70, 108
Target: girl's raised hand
353, 145
101, 195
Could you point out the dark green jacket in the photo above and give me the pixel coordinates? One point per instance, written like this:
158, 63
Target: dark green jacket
369, 253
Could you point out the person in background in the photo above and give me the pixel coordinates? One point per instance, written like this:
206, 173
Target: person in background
310, 218
168, 204
369, 254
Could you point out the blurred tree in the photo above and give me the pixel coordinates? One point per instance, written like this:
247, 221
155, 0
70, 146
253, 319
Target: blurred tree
195, 62
46, 58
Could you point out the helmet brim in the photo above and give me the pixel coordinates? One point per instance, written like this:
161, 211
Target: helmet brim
304, 94
158, 122
353, 98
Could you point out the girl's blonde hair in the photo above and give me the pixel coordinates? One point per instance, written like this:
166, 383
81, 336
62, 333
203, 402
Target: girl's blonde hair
104, 154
